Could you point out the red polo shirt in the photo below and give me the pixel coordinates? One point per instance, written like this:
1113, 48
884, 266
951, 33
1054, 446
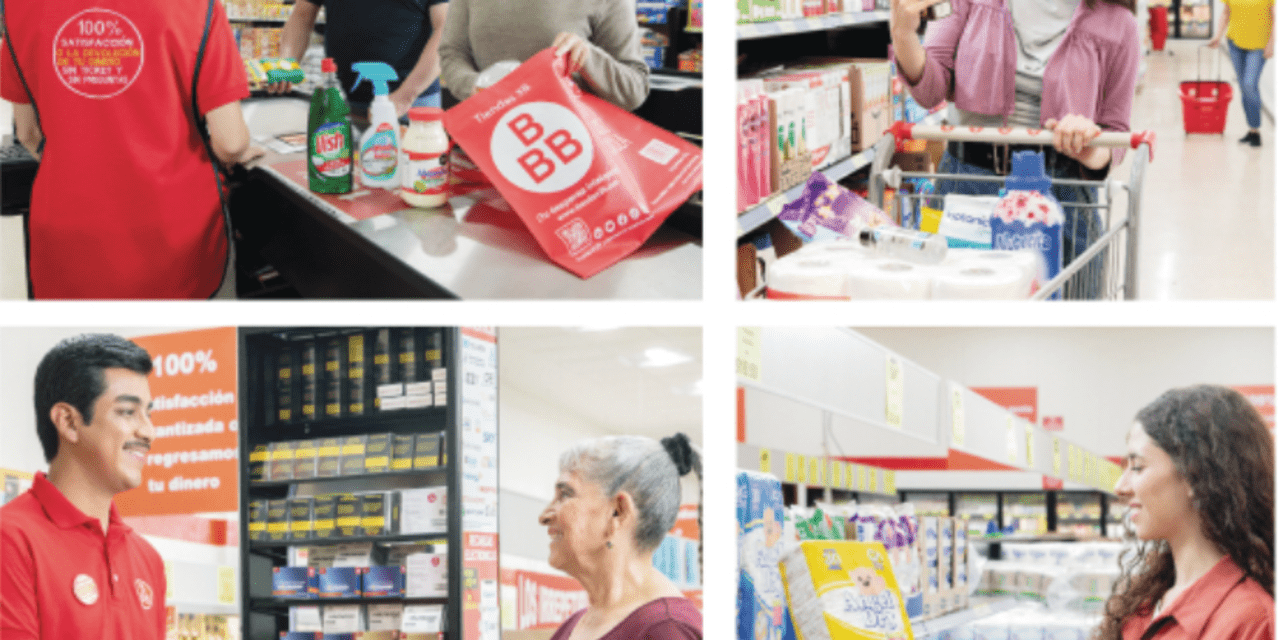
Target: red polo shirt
1221, 604
60, 577
125, 204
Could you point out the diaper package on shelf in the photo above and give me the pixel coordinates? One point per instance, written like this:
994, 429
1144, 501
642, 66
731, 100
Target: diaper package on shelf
762, 601
844, 590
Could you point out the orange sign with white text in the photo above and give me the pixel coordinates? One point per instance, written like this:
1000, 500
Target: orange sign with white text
193, 465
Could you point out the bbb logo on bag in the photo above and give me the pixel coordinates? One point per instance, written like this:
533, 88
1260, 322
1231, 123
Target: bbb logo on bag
542, 147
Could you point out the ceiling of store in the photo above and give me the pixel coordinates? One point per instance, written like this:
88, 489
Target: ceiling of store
609, 376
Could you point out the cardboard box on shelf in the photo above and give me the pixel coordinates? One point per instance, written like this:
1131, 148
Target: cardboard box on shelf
284, 386
309, 380
281, 454
946, 542
426, 451
353, 449
427, 575
324, 514
385, 617
377, 453
339, 582
258, 520
305, 618
293, 582
402, 452
423, 619
259, 457
335, 377
347, 618
329, 458
869, 82
356, 375
384, 582
301, 518
304, 459
424, 510
277, 520
347, 511
373, 514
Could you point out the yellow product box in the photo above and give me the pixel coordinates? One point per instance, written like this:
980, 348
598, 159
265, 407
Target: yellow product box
843, 590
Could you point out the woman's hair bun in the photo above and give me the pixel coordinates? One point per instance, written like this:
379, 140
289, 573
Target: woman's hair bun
681, 452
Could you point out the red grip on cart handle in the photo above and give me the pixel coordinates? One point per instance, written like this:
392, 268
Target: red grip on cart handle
1149, 137
901, 131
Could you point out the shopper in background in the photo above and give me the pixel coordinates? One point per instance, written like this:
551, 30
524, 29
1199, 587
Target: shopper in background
126, 203
601, 38
1249, 42
69, 566
402, 33
1069, 66
615, 500
1199, 483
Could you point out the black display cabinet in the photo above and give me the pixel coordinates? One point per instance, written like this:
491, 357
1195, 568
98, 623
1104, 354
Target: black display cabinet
271, 411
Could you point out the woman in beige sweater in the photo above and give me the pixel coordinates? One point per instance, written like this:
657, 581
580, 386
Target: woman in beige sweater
601, 36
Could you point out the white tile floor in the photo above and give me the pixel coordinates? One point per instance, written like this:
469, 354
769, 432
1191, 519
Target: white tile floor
1208, 209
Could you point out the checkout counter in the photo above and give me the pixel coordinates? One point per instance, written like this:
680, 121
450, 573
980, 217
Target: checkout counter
369, 244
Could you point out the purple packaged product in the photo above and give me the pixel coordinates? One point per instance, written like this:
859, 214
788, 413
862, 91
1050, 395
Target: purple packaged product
293, 582
384, 582
826, 211
339, 582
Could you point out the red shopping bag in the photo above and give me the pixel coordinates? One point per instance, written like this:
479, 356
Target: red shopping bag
591, 181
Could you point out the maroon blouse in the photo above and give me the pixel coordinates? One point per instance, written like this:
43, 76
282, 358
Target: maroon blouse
661, 619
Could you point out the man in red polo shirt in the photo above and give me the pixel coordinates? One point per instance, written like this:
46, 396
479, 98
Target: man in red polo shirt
69, 566
125, 204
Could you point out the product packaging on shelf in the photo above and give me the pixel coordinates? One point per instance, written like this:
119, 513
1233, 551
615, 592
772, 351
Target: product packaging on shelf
277, 520
422, 621
841, 589
257, 520
384, 582
281, 460
309, 380
377, 453
347, 508
294, 582
383, 371
334, 363
325, 514
402, 452
426, 451
339, 582
329, 458
347, 618
374, 514
259, 457
591, 182
356, 377
427, 575
353, 450
305, 618
385, 617
284, 386
424, 510
762, 600
304, 459
946, 552
301, 518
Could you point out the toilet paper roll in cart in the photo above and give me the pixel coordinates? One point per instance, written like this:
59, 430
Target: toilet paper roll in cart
1117, 240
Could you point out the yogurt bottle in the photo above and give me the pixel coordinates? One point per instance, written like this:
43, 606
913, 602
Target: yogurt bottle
424, 173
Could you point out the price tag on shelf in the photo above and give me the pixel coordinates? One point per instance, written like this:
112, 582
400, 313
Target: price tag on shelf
849, 480
226, 585
1057, 457
802, 466
894, 391
815, 472
1031, 446
766, 461
749, 353
835, 477
862, 478
875, 480
791, 467
890, 481
957, 416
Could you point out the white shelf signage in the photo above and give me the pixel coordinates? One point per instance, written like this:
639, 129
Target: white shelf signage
895, 391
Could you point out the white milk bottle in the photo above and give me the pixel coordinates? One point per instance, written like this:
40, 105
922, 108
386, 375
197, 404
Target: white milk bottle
424, 171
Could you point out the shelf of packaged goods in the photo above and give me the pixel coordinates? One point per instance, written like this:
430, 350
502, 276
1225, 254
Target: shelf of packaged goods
276, 604
255, 484
960, 618
408, 538
753, 30
421, 420
757, 216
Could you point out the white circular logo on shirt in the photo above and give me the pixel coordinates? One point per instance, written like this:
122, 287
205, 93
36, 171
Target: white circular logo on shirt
145, 596
542, 147
98, 53
85, 588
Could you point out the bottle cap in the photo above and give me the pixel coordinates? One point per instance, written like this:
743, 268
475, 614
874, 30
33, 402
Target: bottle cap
426, 114
328, 66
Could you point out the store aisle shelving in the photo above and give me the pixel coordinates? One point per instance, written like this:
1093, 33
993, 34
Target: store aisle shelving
1208, 209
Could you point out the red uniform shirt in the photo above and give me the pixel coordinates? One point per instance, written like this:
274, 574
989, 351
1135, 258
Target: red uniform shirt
661, 619
125, 204
61, 578
1222, 604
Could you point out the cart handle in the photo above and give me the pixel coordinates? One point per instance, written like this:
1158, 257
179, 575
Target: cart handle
1008, 135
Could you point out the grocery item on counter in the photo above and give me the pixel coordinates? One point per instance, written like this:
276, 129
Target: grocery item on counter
842, 589
425, 174
591, 181
826, 211
272, 70
329, 136
380, 144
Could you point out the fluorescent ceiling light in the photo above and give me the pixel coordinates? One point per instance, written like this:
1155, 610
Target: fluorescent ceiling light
694, 389
663, 357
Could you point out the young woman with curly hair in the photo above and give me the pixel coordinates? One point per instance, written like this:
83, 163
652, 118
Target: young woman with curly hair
1200, 489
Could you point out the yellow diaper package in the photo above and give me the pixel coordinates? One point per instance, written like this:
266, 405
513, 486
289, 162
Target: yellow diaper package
843, 590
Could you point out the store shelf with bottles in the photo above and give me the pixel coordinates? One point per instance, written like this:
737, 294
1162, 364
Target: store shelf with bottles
360, 444
754, 30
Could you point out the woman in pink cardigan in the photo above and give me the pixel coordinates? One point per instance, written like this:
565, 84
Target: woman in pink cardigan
1064, 65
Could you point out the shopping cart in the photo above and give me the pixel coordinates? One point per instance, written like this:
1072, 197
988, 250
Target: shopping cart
1111, 257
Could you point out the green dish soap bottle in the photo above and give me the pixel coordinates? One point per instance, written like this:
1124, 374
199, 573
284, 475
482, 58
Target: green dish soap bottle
329, 167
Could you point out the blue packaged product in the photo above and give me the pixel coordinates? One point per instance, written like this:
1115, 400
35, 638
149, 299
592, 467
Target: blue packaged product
301, 635
384, 582
762, 601
339, 582
1028, 218
293, 582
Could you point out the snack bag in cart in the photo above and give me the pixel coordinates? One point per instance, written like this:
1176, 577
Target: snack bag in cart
591, 181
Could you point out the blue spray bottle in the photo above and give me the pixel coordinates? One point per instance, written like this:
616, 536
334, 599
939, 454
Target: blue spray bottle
380, 145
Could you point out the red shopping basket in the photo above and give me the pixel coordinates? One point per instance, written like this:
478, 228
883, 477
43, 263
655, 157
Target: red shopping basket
1204, 102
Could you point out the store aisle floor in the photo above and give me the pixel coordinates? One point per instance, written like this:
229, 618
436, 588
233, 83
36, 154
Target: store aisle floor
1208, 208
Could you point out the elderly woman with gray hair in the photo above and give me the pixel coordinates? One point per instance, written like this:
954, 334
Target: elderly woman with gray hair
615, 500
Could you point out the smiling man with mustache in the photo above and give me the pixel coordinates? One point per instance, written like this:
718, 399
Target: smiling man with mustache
69, 566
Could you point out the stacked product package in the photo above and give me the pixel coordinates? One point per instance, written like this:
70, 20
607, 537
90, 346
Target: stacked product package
762, 602
1068, 577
